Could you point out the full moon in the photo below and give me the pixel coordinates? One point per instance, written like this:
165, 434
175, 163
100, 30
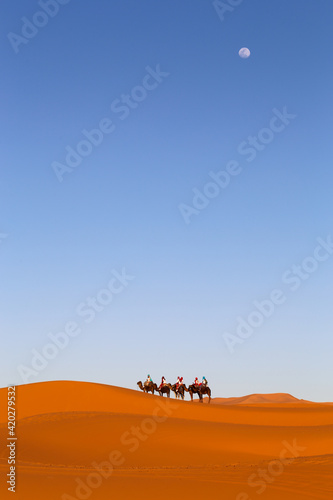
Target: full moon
244, 53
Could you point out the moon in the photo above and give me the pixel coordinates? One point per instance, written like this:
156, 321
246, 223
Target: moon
244, 53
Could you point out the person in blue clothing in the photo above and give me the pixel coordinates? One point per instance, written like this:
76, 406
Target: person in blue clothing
204, 381
149, 380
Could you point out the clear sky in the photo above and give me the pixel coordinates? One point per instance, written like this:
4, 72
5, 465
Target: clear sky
164, 104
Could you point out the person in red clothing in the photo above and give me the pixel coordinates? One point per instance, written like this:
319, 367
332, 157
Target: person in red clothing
179, 382
196, 382
163, 382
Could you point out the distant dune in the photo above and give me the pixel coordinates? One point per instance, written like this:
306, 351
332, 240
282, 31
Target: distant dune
278, 398
82, 440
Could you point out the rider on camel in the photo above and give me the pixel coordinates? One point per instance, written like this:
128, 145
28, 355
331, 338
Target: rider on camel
163, 382
149, 380
179, 382
204, 381
196, 382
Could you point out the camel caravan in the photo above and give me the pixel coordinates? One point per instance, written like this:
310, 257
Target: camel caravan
179, 388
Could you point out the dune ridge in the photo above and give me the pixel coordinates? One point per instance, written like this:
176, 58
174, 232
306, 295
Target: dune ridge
276, 398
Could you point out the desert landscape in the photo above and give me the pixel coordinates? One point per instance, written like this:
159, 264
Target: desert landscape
166, 200
78, 440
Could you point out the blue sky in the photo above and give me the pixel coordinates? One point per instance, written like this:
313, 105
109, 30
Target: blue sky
119, 210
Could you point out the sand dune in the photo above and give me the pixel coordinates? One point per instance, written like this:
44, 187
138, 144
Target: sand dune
80, 440
278, 398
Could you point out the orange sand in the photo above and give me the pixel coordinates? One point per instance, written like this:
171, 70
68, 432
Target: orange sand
79, 440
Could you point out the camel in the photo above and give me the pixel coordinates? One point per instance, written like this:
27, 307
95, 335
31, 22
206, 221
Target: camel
180, 391
204, 389
150, 387
200, 390
193, 389
165, 389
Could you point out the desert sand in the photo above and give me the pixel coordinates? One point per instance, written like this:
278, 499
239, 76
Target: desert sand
78, 440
